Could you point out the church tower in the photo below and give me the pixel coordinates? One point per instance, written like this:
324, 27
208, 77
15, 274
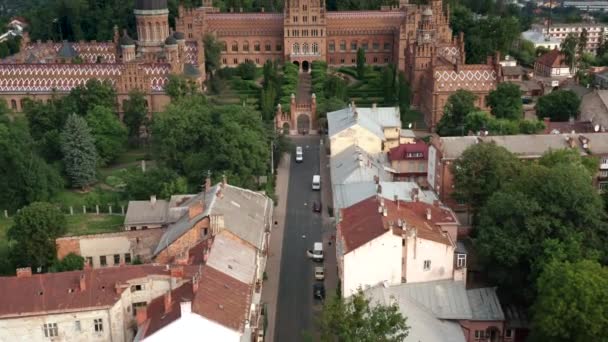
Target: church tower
304, 32
152, 17
422, 52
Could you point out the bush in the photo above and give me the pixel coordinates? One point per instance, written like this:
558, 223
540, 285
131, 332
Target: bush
247, 70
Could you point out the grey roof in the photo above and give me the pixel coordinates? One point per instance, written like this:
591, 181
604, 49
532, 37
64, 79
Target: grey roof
372, 119
446, 299
141, 212
150, 4
125, 40
407, 133
170, 41
485, 305
231, 256
179, 35
594, 107
67, 50
247, 214
453, 147
538, 37
460, 247
512, 70
424, 326
191, 70
354, 165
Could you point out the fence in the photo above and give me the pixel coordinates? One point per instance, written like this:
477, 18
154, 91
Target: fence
98, 209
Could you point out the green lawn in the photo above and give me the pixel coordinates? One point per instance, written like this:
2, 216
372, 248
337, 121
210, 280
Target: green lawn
93, 224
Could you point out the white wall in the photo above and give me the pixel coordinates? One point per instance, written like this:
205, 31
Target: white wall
440, 255
377, 261
431, 167
560, 72
355, 135
191, 325
108, 246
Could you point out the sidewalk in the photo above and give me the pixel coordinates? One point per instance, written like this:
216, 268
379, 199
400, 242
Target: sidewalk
329, 227
270, 291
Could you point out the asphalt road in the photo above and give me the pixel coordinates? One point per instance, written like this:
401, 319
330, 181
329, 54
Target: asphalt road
302, 228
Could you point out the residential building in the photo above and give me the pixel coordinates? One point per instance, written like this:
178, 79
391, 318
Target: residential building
89, 305
540, 39
445, 150
409, 161
595, 32
588, 6
380, 240
552, 64
445, 311
594, 108
374, 130
146, 214
224, 303
600, 80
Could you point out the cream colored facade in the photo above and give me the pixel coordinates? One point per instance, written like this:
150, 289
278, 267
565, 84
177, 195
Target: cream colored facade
427, 260
356, 135
117, 321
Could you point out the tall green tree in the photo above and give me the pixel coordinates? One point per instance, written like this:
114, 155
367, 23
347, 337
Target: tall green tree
79, 152
33, 234
180, 86
192, 137
459, 104
135, 110
71, 262
582, 41
361, 63
404, 93
161, 182
572, 303
569, 48
213, 51
388, 83
85, 97
559, 105
358, 319
109, 133
505, 101
45, 122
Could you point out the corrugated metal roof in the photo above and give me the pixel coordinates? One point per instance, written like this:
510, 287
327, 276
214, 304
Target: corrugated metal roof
230, 255
354, 165
140, 212
446, 299
424, 326
372, 119
485, 305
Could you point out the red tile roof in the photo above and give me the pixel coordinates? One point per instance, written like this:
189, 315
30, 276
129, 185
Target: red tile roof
362, 222
60, 292
553, 59
400, 152
222, 299
158, 318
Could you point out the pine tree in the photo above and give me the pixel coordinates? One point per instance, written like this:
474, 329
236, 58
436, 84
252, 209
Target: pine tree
79, 153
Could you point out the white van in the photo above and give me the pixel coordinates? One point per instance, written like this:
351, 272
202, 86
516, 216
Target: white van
316, 182
299, 154
317, 252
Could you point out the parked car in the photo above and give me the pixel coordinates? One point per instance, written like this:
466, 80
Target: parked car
319, 273
318, 291
316, 206
316, 254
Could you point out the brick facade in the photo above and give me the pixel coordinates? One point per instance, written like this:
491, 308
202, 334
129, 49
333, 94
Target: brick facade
181, 246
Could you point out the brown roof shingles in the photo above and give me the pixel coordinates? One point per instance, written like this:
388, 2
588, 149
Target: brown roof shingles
156, 314
361, 223
60, 292
222, 299
553, 59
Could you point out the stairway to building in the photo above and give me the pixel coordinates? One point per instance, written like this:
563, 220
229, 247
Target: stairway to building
304, 89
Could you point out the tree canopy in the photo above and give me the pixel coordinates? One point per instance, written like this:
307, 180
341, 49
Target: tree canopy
79, 153
192, 137
33, 235
161, 182
572, 303
505, 101
559, 105
135, 110
109, 133
358, 319
459, 104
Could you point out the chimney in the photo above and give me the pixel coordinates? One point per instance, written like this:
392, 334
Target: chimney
428, 214
167, 299
177, 272
195, 209
119, 288
207, 182
374, 106
152, 200
224, 180
83, 282
141, 316
24, 272
185, 308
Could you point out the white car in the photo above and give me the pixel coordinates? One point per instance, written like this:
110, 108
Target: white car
317, 252
319, 273
299, 154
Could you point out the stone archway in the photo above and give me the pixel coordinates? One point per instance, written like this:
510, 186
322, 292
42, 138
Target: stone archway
303, 122
305, 66
285, 128
297, 64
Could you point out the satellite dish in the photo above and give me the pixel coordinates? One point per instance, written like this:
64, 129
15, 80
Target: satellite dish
596, 128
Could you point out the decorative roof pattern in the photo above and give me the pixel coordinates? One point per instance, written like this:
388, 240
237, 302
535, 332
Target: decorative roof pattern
191, 53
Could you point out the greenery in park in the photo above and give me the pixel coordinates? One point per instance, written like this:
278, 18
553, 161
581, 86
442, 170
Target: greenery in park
109, 133
79, 153
459, 104
192, 137
361, 63
528, 213
330, 91
10, 46
213, 51
572, 303
247, 70
289, 85
135, 112
358, 319
505, 101
71, 262
559, 105
180, 86
160, 182
24, 176
33, 235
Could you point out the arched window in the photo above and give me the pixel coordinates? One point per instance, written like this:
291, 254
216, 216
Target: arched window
295, 49
305, 48
159, 34
150, 32
315, 48
235, 47
342, 46
224, 46
246, 46
256, 46
23, 103
13, 104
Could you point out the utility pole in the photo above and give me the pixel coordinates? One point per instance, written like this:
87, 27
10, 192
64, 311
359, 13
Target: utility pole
272, 157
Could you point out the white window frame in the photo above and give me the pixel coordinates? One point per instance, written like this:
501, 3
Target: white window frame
461, 260
98, 325
50, 330
426, 266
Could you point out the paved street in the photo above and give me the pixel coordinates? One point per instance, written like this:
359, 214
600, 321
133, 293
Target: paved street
302, 229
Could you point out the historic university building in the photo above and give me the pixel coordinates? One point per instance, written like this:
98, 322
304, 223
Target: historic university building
416, 38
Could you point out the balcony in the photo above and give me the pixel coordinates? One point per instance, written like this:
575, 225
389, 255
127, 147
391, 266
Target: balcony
302, 54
